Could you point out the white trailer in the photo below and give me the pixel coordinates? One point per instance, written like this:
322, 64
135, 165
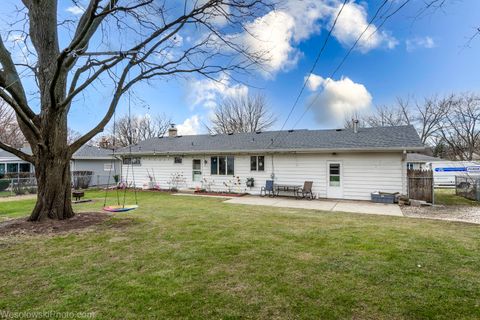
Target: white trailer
444, 172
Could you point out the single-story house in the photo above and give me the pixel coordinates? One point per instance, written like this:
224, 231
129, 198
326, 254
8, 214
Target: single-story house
418, 161
88, 158
14, 166
97, 160
342, 163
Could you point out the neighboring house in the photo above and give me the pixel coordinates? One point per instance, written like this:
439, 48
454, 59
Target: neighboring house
14, 166
342, 163
97, 160
418, 161
88, 158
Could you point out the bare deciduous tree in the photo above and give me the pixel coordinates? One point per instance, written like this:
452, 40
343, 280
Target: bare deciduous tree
135, 41
425, 116
132, 130
460, 129
10, 132
242, 113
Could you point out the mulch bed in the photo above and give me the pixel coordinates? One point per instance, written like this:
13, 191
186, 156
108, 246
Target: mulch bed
78, 222
222, 194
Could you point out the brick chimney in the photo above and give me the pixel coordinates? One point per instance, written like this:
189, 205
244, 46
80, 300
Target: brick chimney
172, 131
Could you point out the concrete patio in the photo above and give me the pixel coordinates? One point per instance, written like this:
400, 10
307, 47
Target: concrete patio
323, 205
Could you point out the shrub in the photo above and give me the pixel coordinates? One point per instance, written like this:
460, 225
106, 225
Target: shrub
4, 184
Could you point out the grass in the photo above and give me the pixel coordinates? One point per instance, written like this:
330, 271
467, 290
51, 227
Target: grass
5, 193
449, 198
199, 258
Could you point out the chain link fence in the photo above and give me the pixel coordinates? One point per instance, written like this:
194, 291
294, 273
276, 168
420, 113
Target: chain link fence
468, 187
22, 184
17, 186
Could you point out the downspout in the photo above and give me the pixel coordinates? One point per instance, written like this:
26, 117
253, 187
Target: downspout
273, 169
404, 172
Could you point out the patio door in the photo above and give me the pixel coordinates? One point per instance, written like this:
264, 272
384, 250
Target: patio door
197, 170
334, 180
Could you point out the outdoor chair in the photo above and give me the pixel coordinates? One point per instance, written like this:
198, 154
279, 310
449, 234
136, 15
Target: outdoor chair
268, 188
306, 191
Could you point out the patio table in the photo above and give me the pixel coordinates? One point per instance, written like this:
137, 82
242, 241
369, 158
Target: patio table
287, 188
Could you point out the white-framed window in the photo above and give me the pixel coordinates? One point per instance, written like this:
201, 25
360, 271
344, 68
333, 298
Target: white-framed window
410, 165
177, 160
257, 163
222, 165
136, 161
107, 167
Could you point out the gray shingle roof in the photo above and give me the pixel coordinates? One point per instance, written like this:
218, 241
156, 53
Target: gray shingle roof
5, 154
380, 138
92, 152
85, 152
418, 157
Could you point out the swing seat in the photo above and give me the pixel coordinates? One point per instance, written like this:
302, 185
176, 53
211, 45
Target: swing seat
120, 208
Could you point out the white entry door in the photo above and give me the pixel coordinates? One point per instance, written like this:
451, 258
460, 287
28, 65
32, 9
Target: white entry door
334, 180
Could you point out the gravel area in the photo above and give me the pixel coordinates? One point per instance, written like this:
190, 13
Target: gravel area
468, 214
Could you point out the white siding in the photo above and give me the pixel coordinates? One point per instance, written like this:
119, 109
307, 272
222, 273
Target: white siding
362, 174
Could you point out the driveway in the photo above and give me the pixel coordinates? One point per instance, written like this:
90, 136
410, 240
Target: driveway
323, 205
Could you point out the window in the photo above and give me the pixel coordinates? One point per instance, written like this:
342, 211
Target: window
214, 165
410, 166
133, 161
334, 175
257, 163
230, 165
2, 168
12, 167
24, 167
222, 165
107, 167
177, 160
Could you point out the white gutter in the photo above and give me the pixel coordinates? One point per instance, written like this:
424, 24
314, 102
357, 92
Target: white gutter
269, 151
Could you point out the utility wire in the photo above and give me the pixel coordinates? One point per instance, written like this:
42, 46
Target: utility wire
352, 48
311, 71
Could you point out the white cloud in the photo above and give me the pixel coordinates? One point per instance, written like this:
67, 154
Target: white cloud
207, 92
75, 10
337, 99
271, 36
419, 42
350, 25
277, 33
190, 126
314, 81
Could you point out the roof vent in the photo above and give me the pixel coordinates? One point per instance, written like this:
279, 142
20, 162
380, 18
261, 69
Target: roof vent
230, 133
291, 130
355, 125
178, 136
338, 129
172, 131
258, 132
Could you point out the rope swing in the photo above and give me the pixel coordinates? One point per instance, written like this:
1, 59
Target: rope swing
122, 207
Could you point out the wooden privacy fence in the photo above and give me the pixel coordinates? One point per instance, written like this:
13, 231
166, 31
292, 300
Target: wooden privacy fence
420, 185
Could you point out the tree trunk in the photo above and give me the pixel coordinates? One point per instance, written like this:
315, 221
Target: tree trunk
54, 185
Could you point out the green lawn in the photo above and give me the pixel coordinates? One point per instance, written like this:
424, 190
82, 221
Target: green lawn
198, 258
5, 193
448, 197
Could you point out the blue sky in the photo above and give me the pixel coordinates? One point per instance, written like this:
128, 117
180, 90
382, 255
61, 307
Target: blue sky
408, 56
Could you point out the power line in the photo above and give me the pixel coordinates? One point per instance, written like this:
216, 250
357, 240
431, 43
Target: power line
352, 48
311, 70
